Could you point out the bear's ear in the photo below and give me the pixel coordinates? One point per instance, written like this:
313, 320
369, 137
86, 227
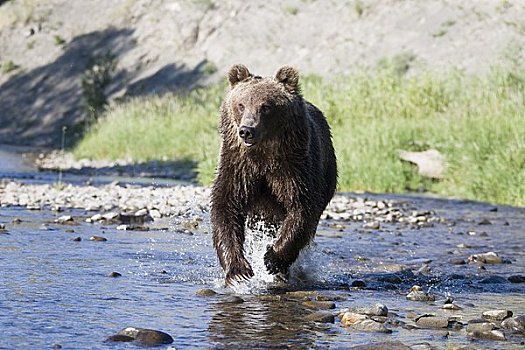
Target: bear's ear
238, 73
289, 77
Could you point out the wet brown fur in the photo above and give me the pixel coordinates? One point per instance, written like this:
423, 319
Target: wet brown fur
287, 177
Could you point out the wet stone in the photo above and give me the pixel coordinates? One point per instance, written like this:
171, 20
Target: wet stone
65, 219
16, 221
489, 335
114, 274
486, 258
144, 336
485, 221
302, 294
351, 318
368, 325
496, 315
494, 280
517, 279
319, 305
98, 239
205, 292
390, 345
77, 239
514, 324
376, 310
451, 306
479, 325
457, 261
233, 300
432, 322
374, 225
417, 294
320, 317
358, 284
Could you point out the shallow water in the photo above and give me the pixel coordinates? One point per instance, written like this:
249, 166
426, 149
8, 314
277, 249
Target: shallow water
54, 290
57, 291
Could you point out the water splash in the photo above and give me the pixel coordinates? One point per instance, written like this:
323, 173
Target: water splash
304, 272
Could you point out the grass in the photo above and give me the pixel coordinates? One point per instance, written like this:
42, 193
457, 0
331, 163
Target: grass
476, 121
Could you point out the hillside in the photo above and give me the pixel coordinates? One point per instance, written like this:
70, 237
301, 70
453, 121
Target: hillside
48, 48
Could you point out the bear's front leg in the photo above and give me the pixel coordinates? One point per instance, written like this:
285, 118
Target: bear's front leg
227, 221
297, 231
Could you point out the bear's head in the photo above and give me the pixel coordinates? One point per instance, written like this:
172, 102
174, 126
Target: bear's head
262, 108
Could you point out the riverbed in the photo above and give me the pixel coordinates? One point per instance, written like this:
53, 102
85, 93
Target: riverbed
70, 279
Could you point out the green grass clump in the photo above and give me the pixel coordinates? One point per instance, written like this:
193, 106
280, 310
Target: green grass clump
476, 121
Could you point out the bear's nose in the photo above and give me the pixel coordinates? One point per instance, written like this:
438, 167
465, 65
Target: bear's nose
246, 132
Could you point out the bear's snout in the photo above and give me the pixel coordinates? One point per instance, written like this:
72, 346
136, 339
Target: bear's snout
248, 135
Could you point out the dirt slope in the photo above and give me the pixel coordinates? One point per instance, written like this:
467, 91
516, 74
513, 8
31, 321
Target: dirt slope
160, 46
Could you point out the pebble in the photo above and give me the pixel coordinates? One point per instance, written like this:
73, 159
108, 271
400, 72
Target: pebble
77, 239
376, 310
320, 317
319, 305
486, 258
417, 294
368, 325
490, 335
65, 219
388, 345
144, 336
430, 321
374, 225
233, 300
515, 324
479, 325
496, 315
98, 238
205, 292
114, 274
517, 279
350, 318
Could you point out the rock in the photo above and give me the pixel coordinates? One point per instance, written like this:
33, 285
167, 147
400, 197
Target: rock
233, 300
114, 274
417, 294
517, 279
430, 163
376, 310
205, 292
485, 221
358, 284
319, 305
125, 227
302, 294
422, 346
143, 336
389, 345
479, 325
490, 335
496, 315
98, 238
77, 239
486, 258
351, 318
320, 317
451, 306
428, 321
16, 221
373, 225
494, 280
65, 219
368, 325
514, 324
457, 261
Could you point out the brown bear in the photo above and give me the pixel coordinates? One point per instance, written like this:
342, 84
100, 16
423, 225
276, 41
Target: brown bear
277, 163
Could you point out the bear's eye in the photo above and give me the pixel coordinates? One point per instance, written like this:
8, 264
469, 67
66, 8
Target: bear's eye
265, 109
241, 107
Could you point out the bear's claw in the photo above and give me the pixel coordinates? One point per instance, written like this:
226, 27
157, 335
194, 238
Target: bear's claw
239, 273
273, 263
